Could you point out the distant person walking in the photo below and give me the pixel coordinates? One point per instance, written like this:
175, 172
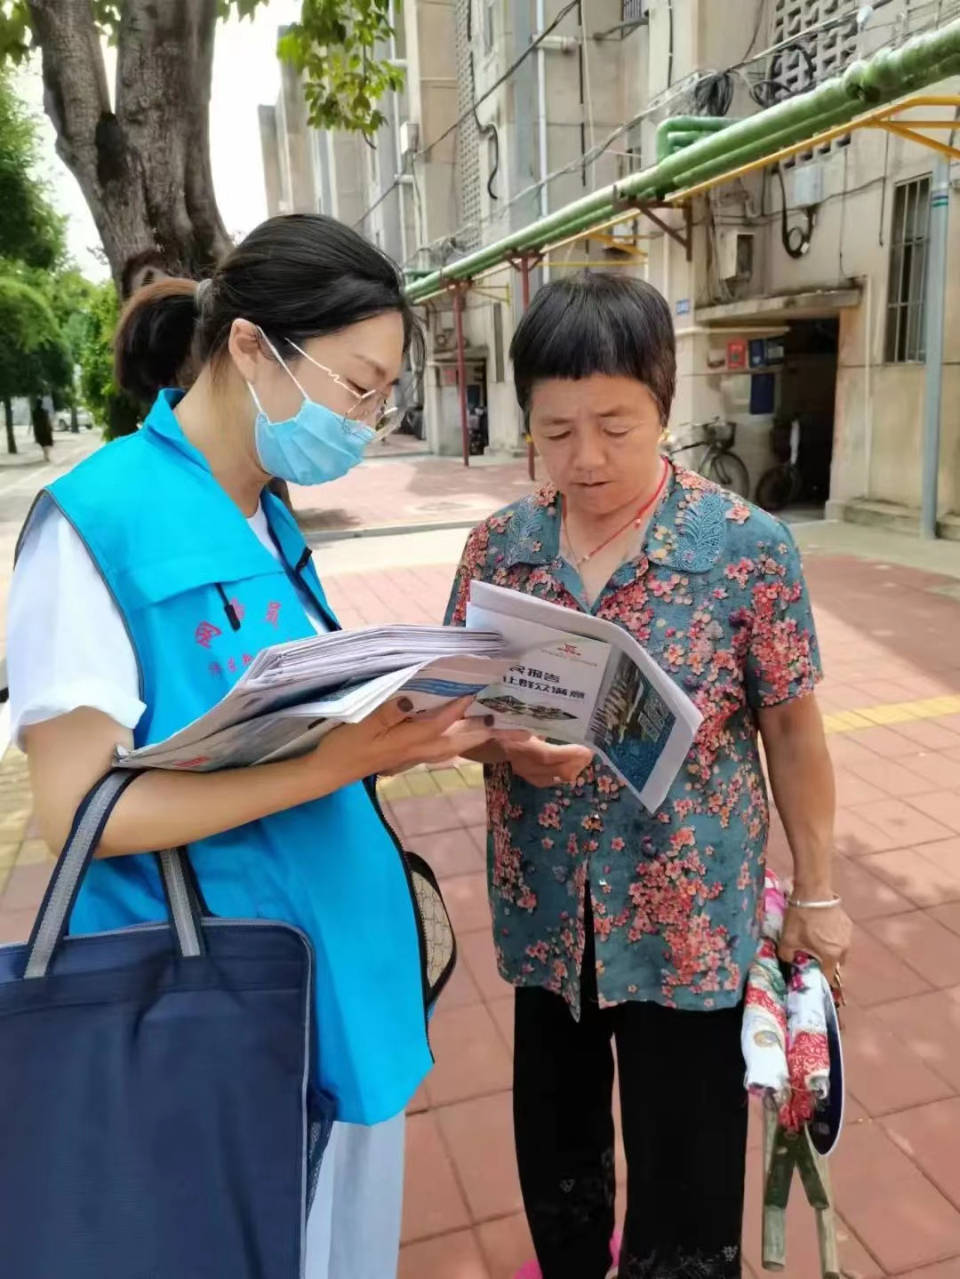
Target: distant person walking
42, 426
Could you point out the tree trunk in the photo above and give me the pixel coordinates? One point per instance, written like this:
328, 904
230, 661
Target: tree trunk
8, 417
143, 168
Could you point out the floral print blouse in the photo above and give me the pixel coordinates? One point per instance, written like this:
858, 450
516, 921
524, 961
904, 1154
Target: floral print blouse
718, 599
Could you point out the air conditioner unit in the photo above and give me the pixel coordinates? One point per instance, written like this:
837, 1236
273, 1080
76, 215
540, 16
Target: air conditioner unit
443, 339
805, 186
734, 254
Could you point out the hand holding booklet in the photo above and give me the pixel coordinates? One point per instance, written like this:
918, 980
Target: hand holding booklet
533, 665
578, 678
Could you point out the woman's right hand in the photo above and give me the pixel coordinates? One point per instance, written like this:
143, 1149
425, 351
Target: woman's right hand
393, 739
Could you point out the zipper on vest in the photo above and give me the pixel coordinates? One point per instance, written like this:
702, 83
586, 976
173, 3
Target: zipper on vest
323, 610
228, 608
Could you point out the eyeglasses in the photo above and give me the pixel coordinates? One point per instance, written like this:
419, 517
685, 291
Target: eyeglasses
373, 408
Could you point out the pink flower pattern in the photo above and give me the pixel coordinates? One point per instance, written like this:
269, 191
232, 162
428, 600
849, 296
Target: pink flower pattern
718, 599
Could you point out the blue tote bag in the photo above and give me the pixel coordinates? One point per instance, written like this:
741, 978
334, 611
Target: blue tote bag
156, 1114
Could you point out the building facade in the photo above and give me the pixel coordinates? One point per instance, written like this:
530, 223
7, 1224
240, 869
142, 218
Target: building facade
801, 295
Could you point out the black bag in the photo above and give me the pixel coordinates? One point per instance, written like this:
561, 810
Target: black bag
158, 1120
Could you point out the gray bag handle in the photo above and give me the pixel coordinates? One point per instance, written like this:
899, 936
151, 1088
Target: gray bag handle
85, 835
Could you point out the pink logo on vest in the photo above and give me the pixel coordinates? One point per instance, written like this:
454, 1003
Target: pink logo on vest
239, 609
205, 632
273, 613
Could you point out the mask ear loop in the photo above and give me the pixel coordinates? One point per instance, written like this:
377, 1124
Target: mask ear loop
330, 373
283, 364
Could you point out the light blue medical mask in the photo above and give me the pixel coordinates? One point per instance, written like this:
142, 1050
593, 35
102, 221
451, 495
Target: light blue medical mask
313, 446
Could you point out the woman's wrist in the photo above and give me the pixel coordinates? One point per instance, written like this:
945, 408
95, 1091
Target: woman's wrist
828, 902
817, 887
812, 892
326, 769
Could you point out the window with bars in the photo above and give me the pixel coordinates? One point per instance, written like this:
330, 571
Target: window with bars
906, 333
468, 137
831, 45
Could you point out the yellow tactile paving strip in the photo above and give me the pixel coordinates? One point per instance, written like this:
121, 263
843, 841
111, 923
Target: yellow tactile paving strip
890, 713
423, 783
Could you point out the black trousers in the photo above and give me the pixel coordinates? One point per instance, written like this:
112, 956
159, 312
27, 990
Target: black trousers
684, 1118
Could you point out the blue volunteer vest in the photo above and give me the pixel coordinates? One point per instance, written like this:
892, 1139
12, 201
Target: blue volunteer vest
200, 595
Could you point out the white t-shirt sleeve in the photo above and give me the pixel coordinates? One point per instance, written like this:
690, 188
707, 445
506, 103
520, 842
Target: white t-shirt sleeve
67, 644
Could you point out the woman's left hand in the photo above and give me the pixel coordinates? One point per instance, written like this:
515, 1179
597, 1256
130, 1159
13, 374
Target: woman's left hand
542, 764
824, 934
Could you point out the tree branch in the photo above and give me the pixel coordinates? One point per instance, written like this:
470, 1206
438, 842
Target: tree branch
77, 100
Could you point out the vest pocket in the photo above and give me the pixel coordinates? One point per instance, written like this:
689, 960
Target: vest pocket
438, 946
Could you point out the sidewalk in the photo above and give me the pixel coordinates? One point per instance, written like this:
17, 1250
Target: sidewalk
412, 492
892, 700
892, 705
22, 475
888, 610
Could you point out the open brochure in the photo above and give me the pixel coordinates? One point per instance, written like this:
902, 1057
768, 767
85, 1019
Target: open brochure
583, 679
561, 674
293, 693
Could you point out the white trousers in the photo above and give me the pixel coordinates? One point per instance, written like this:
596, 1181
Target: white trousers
353, 1231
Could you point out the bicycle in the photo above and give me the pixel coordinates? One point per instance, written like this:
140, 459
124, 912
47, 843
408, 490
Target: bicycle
718, 463
782, 484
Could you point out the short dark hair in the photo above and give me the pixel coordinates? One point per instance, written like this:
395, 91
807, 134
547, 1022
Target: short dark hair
297, 277
597, 322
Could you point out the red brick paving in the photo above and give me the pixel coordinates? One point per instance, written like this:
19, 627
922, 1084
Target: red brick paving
403, 492
897, 1169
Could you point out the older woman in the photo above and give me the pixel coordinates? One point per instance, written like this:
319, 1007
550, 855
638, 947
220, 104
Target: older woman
616, 924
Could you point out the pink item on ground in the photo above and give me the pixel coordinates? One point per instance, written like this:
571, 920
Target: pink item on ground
530, 1270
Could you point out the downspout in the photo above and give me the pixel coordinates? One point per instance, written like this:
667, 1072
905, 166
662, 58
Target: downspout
868, 390
459, 302
544, 195
933, 314
398, 151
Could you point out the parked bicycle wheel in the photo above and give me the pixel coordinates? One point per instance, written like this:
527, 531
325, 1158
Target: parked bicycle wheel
727, 470
779, 486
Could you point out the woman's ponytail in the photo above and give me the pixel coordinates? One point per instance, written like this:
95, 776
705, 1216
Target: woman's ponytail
155, 337
295, 277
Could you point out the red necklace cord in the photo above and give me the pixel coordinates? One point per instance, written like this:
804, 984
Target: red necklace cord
636, 520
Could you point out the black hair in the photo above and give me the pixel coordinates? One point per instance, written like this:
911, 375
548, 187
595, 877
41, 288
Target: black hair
297, 277
597, 322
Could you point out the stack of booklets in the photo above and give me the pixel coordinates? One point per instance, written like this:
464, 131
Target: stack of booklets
291, 694
563, 675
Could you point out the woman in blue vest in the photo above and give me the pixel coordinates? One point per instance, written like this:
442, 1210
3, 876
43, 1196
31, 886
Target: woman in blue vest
149, 577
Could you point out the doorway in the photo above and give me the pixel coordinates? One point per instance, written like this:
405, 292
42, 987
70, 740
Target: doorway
802, 433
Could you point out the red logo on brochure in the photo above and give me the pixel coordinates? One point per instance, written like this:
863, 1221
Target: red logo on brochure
273, 613
206, 632
569, 650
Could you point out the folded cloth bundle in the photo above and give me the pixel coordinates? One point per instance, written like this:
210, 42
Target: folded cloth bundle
784, 1037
